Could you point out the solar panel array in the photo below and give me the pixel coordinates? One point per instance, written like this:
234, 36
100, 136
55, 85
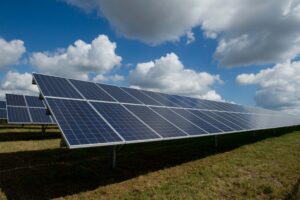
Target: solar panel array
94, 114
3, 114
23, 109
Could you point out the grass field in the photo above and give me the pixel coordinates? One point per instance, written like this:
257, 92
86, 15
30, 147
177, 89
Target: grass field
244, 166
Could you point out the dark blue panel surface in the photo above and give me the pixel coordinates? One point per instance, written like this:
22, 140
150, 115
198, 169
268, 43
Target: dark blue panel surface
119, 94
128, 126
3, 114
235, 107
3, 104
250, 118
91, 91
212, 105
159, 98
56, 87
141, 96
157, 123
195, 120
176, 100
38, 115
18, 115
225, 120
180, 122
15, 100
205, 115
80, 123
238, 120
33, 101
198, 103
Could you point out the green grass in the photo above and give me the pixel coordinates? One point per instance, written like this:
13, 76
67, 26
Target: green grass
267, 166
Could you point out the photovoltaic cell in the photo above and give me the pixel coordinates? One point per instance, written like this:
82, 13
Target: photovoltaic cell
197, 121
33, 101
56, 87
15, 100
119, 94
181, 122
157, 123
91, 91
128, 126
3, 114
2, 104
38, 115
80, 123
18, 114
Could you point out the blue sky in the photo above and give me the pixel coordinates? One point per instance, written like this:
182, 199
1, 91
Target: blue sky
46, 26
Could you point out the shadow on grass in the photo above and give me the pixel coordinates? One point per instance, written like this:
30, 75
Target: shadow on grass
23, 136
27, 132
59, 172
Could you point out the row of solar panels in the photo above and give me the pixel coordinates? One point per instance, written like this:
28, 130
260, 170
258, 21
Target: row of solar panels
23, 109
75, 89
93, 114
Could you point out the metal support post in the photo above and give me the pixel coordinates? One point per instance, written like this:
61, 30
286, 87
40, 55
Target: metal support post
43, 129
216, 141
114, 157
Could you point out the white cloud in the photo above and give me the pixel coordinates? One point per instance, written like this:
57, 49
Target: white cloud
168, 74
10, 52
108, 78
190, 36
80, 59
17, 83
248, 31
278, 87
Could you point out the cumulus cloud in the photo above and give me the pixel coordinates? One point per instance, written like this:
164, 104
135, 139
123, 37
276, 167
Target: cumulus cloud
10, 52
277, 87
248, 31
79, 59
108, 78
17, 83
168, 74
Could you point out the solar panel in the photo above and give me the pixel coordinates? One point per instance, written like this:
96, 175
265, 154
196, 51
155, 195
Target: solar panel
205, 115
197, 121
34, 102
56, 87
157, 123
80, 123
39, 115
127, 125
18, 115
94, 114
2, 104
180, 121
3, 113
118, 94
91, 91
15, 100
32, 112
141, 96
159, 98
